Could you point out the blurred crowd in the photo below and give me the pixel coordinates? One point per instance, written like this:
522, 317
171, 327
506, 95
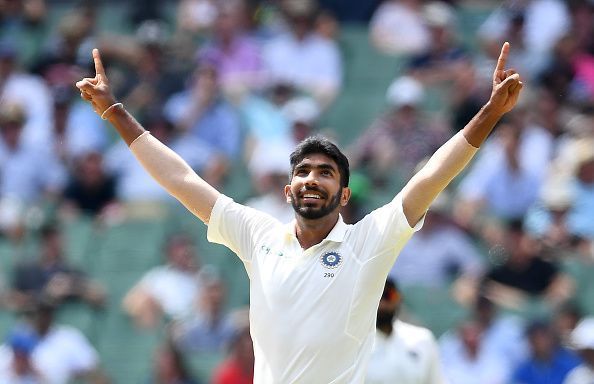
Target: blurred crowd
235, 84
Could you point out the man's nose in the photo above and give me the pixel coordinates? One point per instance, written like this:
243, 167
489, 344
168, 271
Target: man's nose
311, 179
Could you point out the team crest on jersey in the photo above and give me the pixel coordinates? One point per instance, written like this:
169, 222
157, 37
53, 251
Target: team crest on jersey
331, 260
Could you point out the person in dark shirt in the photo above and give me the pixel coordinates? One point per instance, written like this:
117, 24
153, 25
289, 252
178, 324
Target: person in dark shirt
525, 274
90, 190
52, 277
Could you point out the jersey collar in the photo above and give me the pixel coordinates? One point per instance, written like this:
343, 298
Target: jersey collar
336, 235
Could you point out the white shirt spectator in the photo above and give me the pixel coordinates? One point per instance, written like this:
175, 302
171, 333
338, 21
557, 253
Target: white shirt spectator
486, 368
175, 290
552, 13
19, 88
85, 131
29, 171
399, 29
410, 355
311, 64
63, 353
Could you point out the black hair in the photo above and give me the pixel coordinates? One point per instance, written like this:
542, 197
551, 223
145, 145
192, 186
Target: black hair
321, 145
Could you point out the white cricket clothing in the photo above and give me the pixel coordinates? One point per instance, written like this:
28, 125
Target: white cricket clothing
312, 311
410, 355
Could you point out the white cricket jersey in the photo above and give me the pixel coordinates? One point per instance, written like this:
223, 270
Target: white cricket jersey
312, 312
410, 355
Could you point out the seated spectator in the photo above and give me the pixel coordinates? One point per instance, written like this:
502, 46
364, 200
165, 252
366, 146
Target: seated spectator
582, 339
444, 62
402, 353
501, 184
448, 253
301, 57
16, 363
548, 362
168, 290
17, 88
522, 22
202, 114
90, 191
398, 27
238, 56
28, 172
469, 362
169, 367
238, 367
60, 353
52, 276
209, 327
524, 274
269, 181
401, 137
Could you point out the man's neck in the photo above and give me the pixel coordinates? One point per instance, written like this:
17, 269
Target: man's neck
312, 232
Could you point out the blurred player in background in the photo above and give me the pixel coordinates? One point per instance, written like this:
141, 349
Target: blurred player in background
316, 282
403, 353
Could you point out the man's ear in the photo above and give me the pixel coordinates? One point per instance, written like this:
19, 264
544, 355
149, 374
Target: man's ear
346, 196
288, 194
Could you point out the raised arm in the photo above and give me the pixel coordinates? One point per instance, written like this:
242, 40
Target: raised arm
164, 165
451, 158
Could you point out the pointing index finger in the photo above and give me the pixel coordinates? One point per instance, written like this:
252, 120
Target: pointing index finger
502, 57
98, 64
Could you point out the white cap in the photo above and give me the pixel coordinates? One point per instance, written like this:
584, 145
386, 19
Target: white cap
438, 14
582, 336
405, 90
302, 110
271, 157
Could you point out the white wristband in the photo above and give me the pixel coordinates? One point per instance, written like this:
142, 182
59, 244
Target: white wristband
108, 110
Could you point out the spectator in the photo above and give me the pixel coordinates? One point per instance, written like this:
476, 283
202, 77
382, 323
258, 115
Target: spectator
400, 138
448, 252
209, 327
17, 88
398, 27
525, 274
237, 55
238, 367
502, 183
502, 335
303, 58
169, 367
51, 276
28, 172
202, 114
444, 62
582, 339
470, 363
549, 363
525, 19
61, 353
91, 191
16, 364
403, 353
269, 181
167, 290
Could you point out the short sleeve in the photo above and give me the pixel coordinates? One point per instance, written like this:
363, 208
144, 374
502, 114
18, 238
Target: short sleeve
385, 229
239, 227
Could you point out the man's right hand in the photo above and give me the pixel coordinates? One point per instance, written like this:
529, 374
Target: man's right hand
96, 90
